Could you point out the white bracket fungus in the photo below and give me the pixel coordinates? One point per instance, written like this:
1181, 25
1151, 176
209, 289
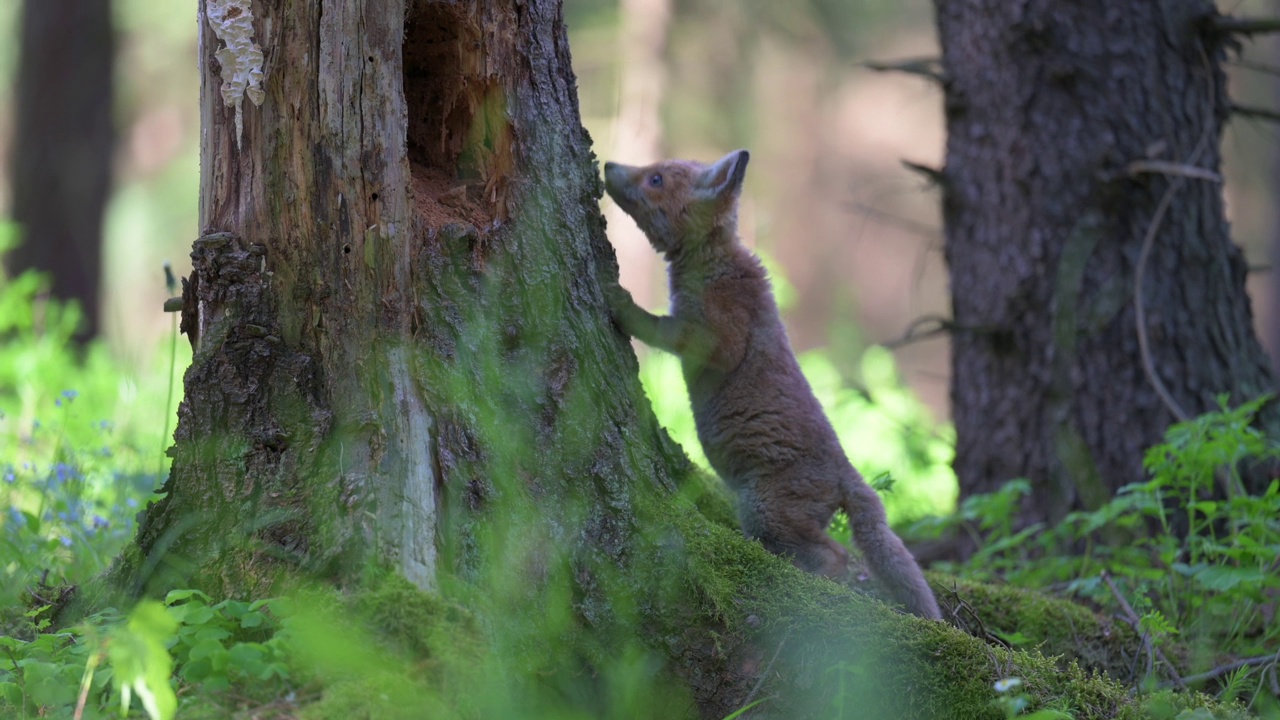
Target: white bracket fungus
240, 56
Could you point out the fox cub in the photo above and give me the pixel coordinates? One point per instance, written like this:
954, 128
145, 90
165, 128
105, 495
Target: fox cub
758, 421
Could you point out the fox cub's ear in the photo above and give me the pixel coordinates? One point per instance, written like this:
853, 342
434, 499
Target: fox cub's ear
724, 178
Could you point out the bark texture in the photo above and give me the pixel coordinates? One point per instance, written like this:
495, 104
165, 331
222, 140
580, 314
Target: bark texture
1068, 124
399, 270
62, 149
403, 357
1272, 332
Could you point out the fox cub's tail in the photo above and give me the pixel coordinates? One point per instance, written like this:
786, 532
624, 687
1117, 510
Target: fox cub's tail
889, 559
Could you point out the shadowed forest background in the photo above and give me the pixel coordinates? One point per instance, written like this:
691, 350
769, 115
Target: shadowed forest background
839, 104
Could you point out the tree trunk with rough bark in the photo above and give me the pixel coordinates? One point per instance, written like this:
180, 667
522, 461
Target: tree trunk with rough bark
402, 356
1097, 294
62, 146
399, 272
1271, 335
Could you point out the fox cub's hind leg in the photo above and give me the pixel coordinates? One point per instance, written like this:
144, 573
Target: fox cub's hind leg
813, 551
820, 554
805, 542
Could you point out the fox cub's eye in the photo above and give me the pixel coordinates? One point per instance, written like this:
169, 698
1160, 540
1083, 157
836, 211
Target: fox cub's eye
655, 180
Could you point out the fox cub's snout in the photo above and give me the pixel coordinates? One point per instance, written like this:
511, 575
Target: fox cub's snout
677, 201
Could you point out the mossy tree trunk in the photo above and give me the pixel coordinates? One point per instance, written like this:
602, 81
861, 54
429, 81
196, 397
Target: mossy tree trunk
399, 269
403, 360
1075, 133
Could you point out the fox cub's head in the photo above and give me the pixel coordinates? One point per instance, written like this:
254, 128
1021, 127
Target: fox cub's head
678, 201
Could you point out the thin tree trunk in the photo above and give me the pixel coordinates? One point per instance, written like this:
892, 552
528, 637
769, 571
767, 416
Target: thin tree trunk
1068, 128
1272, 331
62, 149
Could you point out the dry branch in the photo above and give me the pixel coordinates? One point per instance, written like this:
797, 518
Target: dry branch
929, 68
1257, 113
1245, 26
1146, 637
1164, 167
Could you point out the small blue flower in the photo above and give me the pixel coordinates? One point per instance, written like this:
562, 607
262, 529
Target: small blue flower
17, 518
57, 402
100, 522
70, 395
66, 541
131, 502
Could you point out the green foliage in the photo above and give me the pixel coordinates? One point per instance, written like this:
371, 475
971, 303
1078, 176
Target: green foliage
136, 652
54, 674
884, 428
109, 660
1196, 568
223, 643
80, 443
514, 635
43, 672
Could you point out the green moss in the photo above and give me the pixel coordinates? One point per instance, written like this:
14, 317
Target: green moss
375, 696
695, 599
841, 653
1032, 620
425, 625
708, 493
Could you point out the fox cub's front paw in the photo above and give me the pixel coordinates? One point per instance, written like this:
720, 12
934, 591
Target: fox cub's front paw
621, 305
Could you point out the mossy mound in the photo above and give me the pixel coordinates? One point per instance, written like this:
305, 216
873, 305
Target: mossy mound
1061, 629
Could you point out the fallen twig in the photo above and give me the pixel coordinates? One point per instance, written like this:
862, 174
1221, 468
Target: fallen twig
1164, 167
1224, 669
1147, 645
926, 67
914, 333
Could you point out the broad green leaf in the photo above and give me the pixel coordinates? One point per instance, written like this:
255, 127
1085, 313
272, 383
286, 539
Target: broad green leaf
211, 634
206, 649
141, 661
179, 595
1223, 579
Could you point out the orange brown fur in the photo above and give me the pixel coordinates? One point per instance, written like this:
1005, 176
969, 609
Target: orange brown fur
759, 422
